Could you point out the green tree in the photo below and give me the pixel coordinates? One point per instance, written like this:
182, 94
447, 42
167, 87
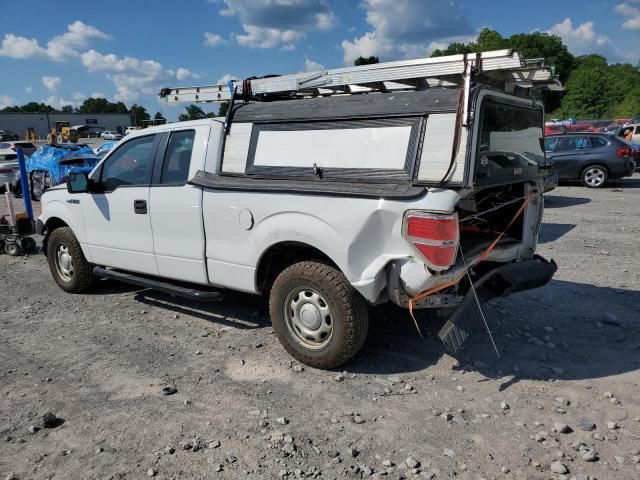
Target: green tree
159, 116
67, 109
592, 90
35, 107
139, 113
102, 105
222, 110
366, 60
192, 112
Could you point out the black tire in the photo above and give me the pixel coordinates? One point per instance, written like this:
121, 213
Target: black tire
594, 176
2, 244
79, 278
347, 314
14, 249
28, 244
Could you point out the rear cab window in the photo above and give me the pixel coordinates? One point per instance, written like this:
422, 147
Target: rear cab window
177, 158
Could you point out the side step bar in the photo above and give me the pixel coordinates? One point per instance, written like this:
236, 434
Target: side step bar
159, 285
499, 282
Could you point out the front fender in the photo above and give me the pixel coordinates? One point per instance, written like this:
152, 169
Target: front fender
69, 214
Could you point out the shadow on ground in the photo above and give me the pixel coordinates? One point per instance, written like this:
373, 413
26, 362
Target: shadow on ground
550, 232
552, 201
565, 330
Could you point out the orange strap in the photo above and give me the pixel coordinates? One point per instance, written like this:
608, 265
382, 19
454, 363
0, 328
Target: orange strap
481, 258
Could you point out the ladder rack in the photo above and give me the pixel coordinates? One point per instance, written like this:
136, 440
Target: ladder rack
504, 68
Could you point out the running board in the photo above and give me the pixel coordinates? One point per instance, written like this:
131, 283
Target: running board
499, 282
159, 285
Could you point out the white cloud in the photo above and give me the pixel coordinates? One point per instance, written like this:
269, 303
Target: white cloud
407, 28
278, 23
260, 37
581, 39
311, 66
28, 88
212, 39
131, 76
75, 100
98, 95
186, 74
61, 47
631, 14
7, 101
51, 83
227, 77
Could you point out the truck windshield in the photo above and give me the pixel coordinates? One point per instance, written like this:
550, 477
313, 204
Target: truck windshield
510, 143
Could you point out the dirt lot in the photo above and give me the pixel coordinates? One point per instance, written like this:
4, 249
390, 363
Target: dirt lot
563, 399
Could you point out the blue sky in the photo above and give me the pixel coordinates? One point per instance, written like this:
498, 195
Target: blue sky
63, 52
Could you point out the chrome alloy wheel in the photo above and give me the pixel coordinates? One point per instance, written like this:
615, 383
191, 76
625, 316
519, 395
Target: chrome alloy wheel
64, 263
308, 317
595, 176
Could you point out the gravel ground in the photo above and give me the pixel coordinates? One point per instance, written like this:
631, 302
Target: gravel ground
562, 401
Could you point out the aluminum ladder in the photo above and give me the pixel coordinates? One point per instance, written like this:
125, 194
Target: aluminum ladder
503, 68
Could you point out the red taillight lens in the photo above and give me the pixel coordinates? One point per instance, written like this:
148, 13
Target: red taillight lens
6, 170
623, 152
13, 147
434, 236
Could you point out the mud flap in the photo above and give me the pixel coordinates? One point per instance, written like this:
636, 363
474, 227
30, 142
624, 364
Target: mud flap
499, 282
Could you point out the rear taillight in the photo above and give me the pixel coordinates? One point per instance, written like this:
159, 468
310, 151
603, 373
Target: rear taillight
6, 170
434, 236
623, 152
13, 147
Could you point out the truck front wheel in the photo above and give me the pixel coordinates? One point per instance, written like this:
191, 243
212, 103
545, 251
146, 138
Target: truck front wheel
319, 318
67, 263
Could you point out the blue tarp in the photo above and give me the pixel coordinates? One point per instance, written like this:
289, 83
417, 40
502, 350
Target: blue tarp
48, 157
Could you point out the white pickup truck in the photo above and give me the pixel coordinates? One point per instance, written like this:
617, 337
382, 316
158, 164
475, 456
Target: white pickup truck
326, 205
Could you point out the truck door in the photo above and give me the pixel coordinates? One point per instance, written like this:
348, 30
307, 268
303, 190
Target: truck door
117, 220
176, 206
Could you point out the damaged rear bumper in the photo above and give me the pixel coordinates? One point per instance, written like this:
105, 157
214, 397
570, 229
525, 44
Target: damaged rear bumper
499, 282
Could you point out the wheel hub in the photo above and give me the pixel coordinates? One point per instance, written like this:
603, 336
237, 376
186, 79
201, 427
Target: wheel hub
64, 263
310, 316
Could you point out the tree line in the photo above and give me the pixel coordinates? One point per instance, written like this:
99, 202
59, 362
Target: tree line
593, 87
90, 106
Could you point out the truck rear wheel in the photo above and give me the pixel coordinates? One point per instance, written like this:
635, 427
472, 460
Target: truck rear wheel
67, 263
319, 318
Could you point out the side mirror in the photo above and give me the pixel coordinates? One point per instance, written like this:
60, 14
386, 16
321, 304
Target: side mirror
78, 182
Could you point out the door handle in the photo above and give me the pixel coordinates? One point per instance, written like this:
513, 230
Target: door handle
140, 206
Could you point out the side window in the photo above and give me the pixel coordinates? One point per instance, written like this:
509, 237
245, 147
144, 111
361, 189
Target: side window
597, 142
637, 132
574, 143
177, 158
130, 164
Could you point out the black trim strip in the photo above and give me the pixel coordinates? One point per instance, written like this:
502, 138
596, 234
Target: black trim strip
307, 187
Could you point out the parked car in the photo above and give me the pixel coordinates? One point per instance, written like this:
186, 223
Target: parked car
131, 129
51, 164
9, 171
554, 129
635, 132
10, 147
589, 157
110, 135
340, 218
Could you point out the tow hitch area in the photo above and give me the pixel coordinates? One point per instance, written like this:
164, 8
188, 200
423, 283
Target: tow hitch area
500, 282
